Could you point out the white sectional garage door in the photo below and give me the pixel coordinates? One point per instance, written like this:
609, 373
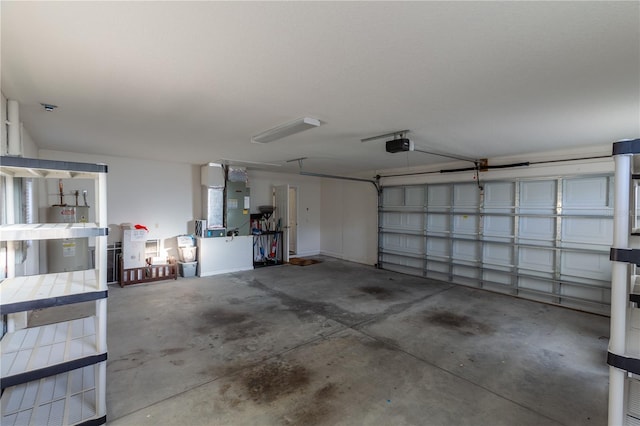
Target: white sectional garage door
544, 239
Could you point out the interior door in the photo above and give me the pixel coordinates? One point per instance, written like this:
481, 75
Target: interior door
293, 220
281, 213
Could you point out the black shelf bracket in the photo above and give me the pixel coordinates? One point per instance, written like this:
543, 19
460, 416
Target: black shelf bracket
632, 365
626, 147
625, 255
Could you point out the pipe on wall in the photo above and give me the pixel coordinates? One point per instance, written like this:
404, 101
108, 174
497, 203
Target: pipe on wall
14, 141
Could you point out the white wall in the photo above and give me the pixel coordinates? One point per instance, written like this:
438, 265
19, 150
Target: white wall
159, 195
166, 197
309, 207
349, 220
29, 146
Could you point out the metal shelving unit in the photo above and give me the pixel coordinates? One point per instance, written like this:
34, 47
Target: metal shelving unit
55, 374
624, 344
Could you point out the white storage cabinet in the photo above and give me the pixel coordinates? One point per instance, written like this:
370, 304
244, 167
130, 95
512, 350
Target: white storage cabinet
55, 374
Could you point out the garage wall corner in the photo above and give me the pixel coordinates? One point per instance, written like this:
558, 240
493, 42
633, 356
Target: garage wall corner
349, 221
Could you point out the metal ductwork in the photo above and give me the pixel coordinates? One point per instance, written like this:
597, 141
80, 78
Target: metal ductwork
212, 178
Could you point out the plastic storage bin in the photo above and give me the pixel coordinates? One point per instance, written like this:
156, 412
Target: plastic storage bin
187, 269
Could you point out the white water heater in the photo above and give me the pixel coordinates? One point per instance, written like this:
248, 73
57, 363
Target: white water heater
68, 254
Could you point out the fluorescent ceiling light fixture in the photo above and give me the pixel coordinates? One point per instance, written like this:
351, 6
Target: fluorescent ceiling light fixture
285, 130
229, 162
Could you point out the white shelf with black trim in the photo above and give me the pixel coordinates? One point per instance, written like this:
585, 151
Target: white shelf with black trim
37, 168
19, 294
624, 345
629, 361
55, 374
50, 231
35, 353
66, 398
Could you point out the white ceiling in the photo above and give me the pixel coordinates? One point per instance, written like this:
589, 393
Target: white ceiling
193, 81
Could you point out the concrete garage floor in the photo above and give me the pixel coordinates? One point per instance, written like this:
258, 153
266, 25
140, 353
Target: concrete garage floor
337, 343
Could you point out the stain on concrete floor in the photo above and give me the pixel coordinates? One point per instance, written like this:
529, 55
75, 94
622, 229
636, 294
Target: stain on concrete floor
305, 396
229, 325
327, 391
462, 324
273, 380
379, 293
172, 351
221, 317
315, 411
307, 310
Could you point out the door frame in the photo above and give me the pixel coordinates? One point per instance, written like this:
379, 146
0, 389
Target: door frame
295, 204
280, 201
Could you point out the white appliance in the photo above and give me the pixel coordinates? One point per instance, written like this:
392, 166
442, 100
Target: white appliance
134, 247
